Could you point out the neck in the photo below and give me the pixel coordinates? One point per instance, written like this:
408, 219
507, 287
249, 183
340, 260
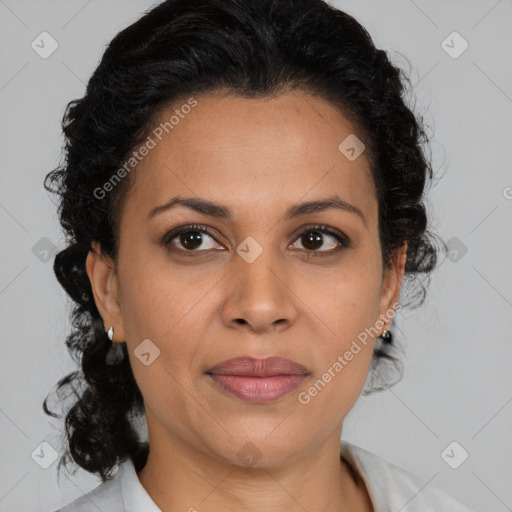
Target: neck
179, 476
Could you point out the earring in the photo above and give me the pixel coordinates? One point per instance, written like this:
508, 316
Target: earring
110, 333
387, 336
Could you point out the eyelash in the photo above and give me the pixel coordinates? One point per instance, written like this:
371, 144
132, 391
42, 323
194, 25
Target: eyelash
322, 228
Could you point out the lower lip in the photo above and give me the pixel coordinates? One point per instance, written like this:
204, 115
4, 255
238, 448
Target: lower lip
258, 390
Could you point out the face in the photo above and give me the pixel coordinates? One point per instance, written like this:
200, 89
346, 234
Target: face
255, 277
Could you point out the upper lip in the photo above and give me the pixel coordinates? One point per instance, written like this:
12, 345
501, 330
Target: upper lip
254, 367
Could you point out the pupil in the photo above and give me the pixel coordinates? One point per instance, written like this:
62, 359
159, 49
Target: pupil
191, 239
314, 238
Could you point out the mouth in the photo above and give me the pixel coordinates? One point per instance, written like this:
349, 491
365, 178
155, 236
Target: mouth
258, 380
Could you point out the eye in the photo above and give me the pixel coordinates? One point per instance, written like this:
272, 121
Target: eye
315, 237
190, 238
195, 239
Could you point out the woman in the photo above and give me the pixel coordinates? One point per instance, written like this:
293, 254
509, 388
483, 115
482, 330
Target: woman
243, 195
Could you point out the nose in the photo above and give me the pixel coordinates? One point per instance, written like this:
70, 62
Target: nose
259, 296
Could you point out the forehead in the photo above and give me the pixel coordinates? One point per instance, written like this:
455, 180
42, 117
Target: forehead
251, 152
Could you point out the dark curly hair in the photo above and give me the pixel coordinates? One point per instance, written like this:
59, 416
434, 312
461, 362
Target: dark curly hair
254, 49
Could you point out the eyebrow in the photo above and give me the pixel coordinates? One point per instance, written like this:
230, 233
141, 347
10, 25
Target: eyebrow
213, 209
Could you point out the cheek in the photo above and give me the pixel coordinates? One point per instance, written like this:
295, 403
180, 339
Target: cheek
344, 356
349, 310
171, 309
156, 298
156, 306
349, 303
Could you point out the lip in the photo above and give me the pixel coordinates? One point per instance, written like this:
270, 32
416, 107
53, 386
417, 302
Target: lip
258, 380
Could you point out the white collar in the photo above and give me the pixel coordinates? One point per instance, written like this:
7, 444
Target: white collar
134, 495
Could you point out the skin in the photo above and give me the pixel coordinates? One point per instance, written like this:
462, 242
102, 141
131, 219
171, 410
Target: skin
257, 157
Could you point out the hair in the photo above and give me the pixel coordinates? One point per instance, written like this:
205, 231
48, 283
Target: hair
248, 48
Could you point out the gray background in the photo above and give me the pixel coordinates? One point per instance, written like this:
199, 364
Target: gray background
457, 384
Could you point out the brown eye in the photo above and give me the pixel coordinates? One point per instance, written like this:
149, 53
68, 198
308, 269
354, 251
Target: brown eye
190, 239
312, 240
319, 237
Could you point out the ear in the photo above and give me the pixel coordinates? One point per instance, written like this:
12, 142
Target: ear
391, 286
101, 271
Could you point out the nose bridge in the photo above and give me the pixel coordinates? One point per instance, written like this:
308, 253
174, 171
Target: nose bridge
257, 267
258, 292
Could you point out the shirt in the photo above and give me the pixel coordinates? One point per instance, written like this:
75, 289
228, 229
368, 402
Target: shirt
391, 489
